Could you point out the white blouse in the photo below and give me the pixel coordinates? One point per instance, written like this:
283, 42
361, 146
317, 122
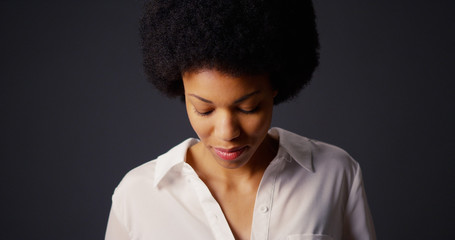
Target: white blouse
311, 190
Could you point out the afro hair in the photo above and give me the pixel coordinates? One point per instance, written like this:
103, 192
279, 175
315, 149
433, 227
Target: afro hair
238, 37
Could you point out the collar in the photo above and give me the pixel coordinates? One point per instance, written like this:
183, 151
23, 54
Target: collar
174, 157
298, 148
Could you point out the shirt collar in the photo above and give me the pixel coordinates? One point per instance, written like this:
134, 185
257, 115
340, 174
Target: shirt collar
298, 147
175, 156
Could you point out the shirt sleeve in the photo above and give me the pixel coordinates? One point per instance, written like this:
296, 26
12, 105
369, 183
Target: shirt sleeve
358, 223
115, 229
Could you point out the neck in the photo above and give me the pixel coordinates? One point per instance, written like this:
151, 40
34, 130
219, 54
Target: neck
210, 171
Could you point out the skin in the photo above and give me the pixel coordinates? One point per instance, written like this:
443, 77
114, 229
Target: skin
231, 112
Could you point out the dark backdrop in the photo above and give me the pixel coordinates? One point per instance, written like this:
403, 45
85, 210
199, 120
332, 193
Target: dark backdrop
77, 112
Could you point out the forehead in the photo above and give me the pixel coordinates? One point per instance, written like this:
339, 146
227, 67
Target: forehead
211, 80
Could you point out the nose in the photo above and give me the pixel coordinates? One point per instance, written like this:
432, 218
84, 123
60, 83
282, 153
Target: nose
227, 127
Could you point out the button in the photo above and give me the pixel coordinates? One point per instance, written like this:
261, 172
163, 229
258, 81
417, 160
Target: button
264, 209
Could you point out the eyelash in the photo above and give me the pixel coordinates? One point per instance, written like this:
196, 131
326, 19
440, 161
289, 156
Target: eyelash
205, 114
250, 111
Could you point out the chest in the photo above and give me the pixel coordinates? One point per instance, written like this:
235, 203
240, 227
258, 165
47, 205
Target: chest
238, 208
187, 209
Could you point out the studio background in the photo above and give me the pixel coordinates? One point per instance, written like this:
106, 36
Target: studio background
77, 113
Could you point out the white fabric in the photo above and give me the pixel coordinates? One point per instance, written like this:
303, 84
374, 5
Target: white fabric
311, 190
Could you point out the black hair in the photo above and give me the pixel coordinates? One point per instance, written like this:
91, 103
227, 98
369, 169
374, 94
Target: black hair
238, 37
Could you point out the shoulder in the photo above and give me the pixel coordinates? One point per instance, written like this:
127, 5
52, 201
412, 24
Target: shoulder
135, 183
140, 175
331, 159
328, 166
319, 155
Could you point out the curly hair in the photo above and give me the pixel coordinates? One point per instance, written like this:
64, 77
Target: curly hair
238, 37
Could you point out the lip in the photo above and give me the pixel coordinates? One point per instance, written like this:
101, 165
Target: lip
229, 154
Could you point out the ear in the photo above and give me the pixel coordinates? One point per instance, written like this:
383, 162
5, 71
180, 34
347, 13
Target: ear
275, 92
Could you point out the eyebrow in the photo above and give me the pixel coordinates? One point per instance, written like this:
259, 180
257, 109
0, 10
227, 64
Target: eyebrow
243, 98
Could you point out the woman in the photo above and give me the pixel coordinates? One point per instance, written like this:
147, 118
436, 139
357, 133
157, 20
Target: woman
231, 62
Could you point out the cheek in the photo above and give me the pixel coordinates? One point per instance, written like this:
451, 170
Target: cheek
200, 127
257, 126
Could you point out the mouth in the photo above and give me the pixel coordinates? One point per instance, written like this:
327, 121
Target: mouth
230, 154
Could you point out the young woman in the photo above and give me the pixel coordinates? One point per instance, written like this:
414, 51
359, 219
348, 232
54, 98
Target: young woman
231, 62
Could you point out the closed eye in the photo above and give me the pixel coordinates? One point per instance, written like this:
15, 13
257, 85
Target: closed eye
204, 114
249, 111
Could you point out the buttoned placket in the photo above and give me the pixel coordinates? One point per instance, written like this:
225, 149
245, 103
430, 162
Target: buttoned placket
264, 201
210, 206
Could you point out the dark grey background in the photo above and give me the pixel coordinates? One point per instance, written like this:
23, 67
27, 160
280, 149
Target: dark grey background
77, 112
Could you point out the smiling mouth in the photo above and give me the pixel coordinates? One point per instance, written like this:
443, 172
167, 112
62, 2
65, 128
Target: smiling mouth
229, 154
